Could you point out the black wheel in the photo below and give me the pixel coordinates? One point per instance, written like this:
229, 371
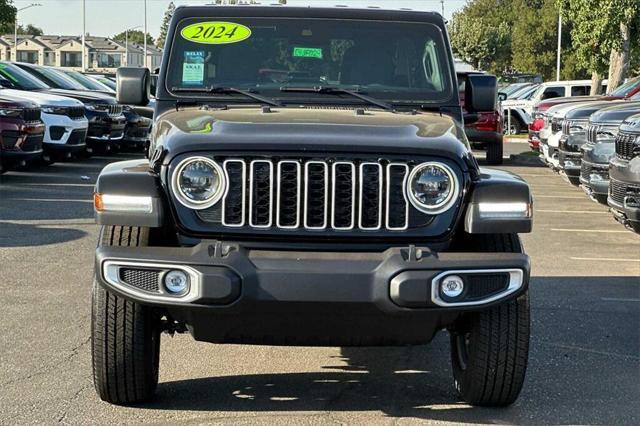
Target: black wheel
125, 336
490, 348
494, 153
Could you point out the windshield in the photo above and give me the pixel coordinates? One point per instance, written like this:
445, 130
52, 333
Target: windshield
626, 88
20, 79
85, 81
58, 79
388, 60
109, 83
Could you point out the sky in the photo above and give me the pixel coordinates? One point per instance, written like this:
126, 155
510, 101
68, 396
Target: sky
109, 17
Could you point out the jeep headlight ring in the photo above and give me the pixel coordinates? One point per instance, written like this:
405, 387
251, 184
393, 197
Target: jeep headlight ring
432, 187
198, 183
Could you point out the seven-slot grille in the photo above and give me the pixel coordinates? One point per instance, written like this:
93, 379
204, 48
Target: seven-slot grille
115, 110
31, 114
313, 195
626, 145
592, 133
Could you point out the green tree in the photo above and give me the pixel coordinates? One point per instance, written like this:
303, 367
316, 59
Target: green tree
7, 16
135, 36
600, 28
166, 20
30, 30
480, 35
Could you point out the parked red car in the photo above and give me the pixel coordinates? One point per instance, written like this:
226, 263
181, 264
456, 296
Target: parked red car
626, 91
483, 129
21, 133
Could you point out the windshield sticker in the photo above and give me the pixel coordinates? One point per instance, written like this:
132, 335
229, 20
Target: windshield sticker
193, 67
307, 52
215, 32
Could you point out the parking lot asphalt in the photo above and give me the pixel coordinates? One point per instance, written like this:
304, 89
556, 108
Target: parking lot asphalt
584, 364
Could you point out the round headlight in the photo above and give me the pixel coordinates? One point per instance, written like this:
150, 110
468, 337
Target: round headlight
432, 187
198, 182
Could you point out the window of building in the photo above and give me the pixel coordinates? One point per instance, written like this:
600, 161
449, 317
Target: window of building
71, 59
28, 56
109, 60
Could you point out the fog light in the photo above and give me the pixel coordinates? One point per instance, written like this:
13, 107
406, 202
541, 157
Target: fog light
452, 286
176, 282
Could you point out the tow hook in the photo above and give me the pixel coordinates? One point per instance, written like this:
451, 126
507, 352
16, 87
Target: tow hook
172, 327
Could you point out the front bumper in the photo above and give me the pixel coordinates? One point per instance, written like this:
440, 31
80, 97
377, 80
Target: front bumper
104, 129
315, 298
624, 191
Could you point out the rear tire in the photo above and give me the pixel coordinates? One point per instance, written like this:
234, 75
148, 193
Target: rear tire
494, 153
125, 336
490, 348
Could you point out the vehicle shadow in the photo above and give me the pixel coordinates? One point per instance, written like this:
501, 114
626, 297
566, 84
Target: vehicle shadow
24, 235
584, 357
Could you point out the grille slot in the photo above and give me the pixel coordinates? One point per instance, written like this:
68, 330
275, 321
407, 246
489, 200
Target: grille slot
313, 195
625, 144
592, 133
143, 279
31, 114
76, 113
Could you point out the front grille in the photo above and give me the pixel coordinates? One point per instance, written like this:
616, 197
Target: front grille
31, 114
75, 113
9, 139
592, 133
115, 110
313, 195
618, 191
143, 279
626, 146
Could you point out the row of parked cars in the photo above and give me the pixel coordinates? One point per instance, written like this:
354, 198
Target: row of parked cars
594, 142
52, 114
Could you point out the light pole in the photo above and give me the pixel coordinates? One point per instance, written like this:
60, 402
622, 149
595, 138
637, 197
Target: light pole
15, 28
84, 31
126, 42
145, 33
559, 46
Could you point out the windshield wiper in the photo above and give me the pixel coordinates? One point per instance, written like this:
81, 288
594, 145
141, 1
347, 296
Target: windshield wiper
339, 90
226, 90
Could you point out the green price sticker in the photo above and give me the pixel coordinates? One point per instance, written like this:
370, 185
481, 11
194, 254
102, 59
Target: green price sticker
215, 32
307, 52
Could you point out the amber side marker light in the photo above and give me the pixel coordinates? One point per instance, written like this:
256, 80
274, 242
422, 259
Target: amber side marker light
122, 203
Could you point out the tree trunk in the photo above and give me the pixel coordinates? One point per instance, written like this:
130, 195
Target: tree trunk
596, 82
619, 60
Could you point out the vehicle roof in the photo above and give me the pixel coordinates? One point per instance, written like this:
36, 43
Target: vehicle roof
335, 12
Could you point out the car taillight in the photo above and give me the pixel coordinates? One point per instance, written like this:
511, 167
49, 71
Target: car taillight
536, 125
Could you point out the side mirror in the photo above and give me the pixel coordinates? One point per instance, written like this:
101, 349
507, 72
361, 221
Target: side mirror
480, 93
502, 96
133, 86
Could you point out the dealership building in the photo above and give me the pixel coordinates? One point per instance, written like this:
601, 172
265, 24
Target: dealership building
103, 53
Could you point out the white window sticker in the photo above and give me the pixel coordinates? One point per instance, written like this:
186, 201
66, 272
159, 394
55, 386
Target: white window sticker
193, 68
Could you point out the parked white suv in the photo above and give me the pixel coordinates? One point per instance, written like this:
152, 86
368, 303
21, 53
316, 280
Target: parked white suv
521, 109
65, 123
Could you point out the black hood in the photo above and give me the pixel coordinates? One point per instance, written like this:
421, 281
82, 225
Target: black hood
86, 96
309, 130
617, 113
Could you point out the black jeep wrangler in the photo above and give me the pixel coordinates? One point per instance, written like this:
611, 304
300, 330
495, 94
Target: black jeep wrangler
310, 183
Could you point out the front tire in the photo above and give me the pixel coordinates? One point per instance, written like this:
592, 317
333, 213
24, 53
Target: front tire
490, 348
125, 336
494, 153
